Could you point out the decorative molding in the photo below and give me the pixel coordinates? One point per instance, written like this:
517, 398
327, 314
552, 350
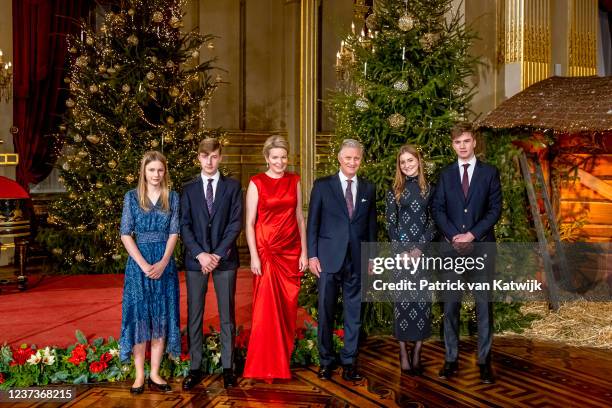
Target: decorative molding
582, 37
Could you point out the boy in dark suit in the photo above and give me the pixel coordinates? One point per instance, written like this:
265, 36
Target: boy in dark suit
466, 206
211, 220
341, 215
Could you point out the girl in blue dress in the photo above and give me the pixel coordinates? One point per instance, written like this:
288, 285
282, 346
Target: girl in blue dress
150, 311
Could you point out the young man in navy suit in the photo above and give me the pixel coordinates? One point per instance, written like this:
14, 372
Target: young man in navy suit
211, 220
467, 204
341, 215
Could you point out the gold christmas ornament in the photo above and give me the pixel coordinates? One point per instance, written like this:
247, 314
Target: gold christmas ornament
362, 104
69, 103
131, 12
72, 196
73, 50
170, 120
82, 61
173, 91
79, 257
132, 40
122, 130
153, 59
66, 80
130, 178
100, 227
154, 143
150, 76
82, 153
158, 17
406, 22
112, 164
66, 166
400, 85
372, 22
108, 202
62, 128
170, 64
175, 22
125, 88
93, 88
77, 138
89, 41
111, 70
168, 138
396, 120
428, 41
195, 54
99, 184
56, 251
93, 138
101, 69
77, 159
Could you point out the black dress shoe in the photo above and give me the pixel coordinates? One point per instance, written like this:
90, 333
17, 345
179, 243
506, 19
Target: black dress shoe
229, 379
350, 373
137, 390
153, 386
193, 378
486, 374
325, 372
450, 369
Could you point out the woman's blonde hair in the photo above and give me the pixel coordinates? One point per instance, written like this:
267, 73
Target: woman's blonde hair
143, 200
274, 142
400, 179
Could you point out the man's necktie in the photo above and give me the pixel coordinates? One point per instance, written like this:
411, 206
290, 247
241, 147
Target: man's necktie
348, 196
209, 195
465, 181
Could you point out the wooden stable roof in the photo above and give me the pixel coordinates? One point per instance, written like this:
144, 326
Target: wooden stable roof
561, 104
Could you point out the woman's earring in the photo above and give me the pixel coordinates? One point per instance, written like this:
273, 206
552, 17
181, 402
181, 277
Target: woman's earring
267, 165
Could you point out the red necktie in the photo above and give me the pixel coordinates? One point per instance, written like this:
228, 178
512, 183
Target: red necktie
348, 196
465, 183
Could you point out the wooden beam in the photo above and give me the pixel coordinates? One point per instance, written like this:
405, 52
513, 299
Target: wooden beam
595, 183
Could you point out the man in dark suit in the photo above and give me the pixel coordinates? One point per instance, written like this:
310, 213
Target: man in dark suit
466, 206
341, 215
211, 220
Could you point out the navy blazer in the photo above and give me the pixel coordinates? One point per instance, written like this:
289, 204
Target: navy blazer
212, 233
330, 231
478, 213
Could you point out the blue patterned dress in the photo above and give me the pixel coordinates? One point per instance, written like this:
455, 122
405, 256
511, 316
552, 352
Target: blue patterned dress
150, 306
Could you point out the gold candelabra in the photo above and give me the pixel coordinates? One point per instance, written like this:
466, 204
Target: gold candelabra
6, 78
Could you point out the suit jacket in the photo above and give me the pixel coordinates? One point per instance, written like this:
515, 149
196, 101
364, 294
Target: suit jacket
330, 231
478, 212
212, 233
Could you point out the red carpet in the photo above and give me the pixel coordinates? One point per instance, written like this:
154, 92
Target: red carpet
53, 308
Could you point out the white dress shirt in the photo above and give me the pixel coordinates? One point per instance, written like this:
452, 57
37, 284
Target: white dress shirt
343, 180
215, 178
470, 169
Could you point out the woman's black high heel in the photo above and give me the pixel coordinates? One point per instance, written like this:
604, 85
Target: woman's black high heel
159, 387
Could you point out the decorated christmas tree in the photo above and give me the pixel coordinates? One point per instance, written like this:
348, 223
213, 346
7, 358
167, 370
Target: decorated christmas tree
403, 78
136, 83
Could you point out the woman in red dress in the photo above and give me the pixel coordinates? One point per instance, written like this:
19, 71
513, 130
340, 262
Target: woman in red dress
276, 236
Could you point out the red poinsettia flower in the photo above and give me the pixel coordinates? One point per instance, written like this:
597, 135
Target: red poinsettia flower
106, 357
339, 333
97, 367
79, 354
1, 378
184, 356
21, 355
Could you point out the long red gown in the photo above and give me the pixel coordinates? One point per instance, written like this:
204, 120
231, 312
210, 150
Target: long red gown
275, 292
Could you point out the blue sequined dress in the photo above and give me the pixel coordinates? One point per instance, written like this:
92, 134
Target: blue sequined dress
150, 306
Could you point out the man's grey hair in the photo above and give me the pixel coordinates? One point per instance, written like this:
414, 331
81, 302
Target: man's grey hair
351, 143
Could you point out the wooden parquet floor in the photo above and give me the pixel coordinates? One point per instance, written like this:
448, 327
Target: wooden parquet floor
529, 374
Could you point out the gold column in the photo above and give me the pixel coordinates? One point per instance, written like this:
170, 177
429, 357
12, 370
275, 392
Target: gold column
582, 37
525, 31
308, 95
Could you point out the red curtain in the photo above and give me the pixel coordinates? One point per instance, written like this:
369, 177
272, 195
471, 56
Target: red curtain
39, 54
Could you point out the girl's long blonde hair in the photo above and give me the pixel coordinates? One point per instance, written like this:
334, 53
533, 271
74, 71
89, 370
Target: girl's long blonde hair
400, 179
143, 200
